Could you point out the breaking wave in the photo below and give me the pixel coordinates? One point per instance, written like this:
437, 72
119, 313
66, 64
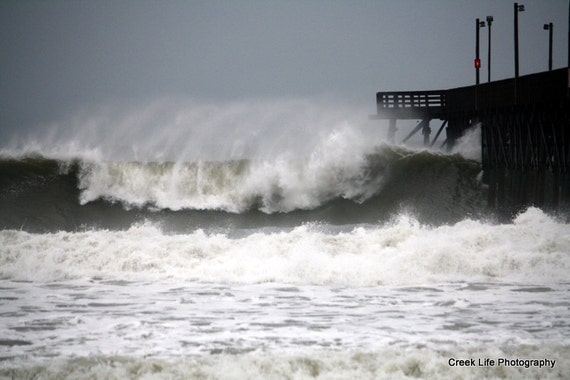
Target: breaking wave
331, 185
535, 248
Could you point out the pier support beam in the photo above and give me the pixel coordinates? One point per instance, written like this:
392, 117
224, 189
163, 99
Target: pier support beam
426, 131
421, 126
392, 131
438, 133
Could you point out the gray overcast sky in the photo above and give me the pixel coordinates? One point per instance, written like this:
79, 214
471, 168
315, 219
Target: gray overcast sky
60, 55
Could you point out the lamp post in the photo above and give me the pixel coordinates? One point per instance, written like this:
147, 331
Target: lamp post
550, 28
478, 24
489, 23
517, 8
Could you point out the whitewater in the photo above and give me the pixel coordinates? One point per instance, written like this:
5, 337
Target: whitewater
331, 255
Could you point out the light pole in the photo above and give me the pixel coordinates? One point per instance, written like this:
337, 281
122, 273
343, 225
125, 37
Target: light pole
478, 24
489, 23
517, 8
550, 28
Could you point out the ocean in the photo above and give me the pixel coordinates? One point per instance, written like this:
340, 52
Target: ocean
367, 262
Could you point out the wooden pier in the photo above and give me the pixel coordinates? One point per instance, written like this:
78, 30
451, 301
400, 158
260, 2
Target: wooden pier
525, 133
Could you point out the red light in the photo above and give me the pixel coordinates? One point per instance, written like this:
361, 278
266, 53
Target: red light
477, 63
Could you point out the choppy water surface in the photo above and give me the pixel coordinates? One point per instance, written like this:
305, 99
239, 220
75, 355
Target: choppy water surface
58, 322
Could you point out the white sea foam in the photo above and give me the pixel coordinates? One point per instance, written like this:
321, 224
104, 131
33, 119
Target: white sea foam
388, 363
534, 249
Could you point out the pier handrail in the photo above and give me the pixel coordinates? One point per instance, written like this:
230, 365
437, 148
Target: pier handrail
410, 99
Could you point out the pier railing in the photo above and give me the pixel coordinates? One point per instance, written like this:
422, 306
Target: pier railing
410, 104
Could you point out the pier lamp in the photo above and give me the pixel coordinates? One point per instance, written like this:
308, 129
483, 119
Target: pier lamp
489, 23
550, 28
517, 8
478, 24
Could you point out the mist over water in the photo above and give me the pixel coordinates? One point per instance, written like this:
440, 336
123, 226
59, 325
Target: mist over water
179, 129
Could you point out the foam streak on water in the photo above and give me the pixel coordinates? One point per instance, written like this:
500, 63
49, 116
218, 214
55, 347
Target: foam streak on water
53, 325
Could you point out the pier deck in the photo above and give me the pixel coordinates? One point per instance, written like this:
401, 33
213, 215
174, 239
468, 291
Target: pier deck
525, 132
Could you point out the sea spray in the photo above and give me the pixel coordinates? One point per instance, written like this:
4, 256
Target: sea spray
189, 130
469, 145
